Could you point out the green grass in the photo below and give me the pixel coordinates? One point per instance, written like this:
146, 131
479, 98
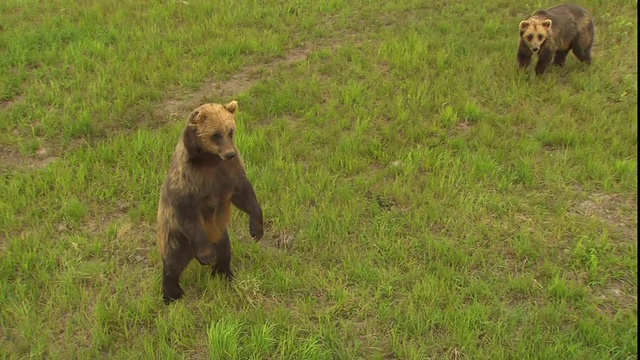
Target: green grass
425, 198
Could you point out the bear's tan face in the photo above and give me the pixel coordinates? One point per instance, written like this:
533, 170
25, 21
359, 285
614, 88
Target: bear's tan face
535, 32
214, 126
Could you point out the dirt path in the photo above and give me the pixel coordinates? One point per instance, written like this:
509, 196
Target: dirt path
178, 106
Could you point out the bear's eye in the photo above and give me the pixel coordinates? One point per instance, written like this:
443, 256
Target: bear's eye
217, 136
540, 36
530, 37
231, 134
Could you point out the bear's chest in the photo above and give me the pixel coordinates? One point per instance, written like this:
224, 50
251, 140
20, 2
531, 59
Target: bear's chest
218, 183
216, 193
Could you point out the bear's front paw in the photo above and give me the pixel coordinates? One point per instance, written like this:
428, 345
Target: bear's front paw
256, 229
227, 274
172, 294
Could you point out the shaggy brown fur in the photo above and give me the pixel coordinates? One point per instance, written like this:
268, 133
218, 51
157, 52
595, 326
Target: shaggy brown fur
205, 177
551, 33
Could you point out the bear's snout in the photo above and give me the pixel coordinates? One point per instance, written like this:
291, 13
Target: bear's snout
229, 155
535, 49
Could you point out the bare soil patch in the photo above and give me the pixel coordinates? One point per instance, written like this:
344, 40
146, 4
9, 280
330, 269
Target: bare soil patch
11, 158
616, 296
4, 104
619, 211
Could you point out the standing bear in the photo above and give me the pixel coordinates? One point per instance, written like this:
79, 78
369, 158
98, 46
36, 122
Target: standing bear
206, 176
551, 33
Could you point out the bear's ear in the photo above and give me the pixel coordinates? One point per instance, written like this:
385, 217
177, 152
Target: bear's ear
194, 117
524, 24
546, 23
232, 106
190, 138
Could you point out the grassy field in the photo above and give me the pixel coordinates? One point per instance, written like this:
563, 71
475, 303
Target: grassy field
425, 198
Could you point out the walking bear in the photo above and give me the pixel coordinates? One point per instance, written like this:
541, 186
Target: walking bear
206, 176
551, 33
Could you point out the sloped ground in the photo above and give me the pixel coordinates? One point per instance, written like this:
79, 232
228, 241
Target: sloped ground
425, 198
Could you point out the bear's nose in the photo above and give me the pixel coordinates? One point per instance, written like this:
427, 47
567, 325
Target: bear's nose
535, 49
229, 155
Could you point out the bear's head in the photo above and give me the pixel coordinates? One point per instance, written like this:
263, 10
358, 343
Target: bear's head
534, 32
210, 131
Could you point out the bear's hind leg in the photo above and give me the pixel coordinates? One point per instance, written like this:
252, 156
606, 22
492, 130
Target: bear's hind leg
173, 264
560, 58
223, 257
582, 51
